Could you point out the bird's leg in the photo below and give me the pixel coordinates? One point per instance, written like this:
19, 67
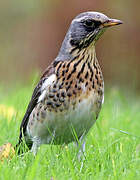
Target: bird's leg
36, 145
81, 144
81, 152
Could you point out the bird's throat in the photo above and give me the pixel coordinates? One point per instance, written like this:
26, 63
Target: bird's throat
86, 54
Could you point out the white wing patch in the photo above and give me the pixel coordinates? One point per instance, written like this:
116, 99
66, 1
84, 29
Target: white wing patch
103, 100
45, 86
103, 94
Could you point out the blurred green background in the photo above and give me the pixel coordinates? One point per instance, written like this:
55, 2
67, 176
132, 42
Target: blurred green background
31, 33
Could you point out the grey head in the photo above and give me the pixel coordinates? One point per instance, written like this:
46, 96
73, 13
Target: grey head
85, 29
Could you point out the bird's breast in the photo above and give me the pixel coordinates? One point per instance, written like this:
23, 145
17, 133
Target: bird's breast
66, 122
71, 100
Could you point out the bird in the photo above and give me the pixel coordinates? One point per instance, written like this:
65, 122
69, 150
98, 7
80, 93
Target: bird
68, 98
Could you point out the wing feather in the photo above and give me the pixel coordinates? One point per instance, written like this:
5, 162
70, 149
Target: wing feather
34, 100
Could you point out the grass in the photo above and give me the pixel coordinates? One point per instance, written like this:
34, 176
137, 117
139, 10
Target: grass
112, 145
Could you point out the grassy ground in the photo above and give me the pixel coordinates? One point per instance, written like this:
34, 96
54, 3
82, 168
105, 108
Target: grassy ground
112, 145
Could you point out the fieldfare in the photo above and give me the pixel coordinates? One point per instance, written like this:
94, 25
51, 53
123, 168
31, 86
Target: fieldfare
68, 98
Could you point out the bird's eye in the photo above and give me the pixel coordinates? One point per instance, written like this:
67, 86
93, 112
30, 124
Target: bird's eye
89, 23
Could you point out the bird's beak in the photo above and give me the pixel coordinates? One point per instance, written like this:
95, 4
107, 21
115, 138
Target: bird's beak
112, 22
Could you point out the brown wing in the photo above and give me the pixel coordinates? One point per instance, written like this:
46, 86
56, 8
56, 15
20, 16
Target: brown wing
33, 102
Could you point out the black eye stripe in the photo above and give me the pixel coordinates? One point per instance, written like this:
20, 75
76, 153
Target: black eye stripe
97, 23
91, 23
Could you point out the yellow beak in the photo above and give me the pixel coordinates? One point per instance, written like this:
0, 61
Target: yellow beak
112, 22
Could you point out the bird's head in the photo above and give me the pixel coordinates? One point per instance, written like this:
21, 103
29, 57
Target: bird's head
86, 29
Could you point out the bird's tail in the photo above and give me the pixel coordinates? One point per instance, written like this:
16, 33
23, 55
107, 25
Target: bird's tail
24, 144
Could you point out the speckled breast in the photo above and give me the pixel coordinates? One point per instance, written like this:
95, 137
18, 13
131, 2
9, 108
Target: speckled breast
70, 105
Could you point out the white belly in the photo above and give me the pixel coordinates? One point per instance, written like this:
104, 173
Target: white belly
64, 127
